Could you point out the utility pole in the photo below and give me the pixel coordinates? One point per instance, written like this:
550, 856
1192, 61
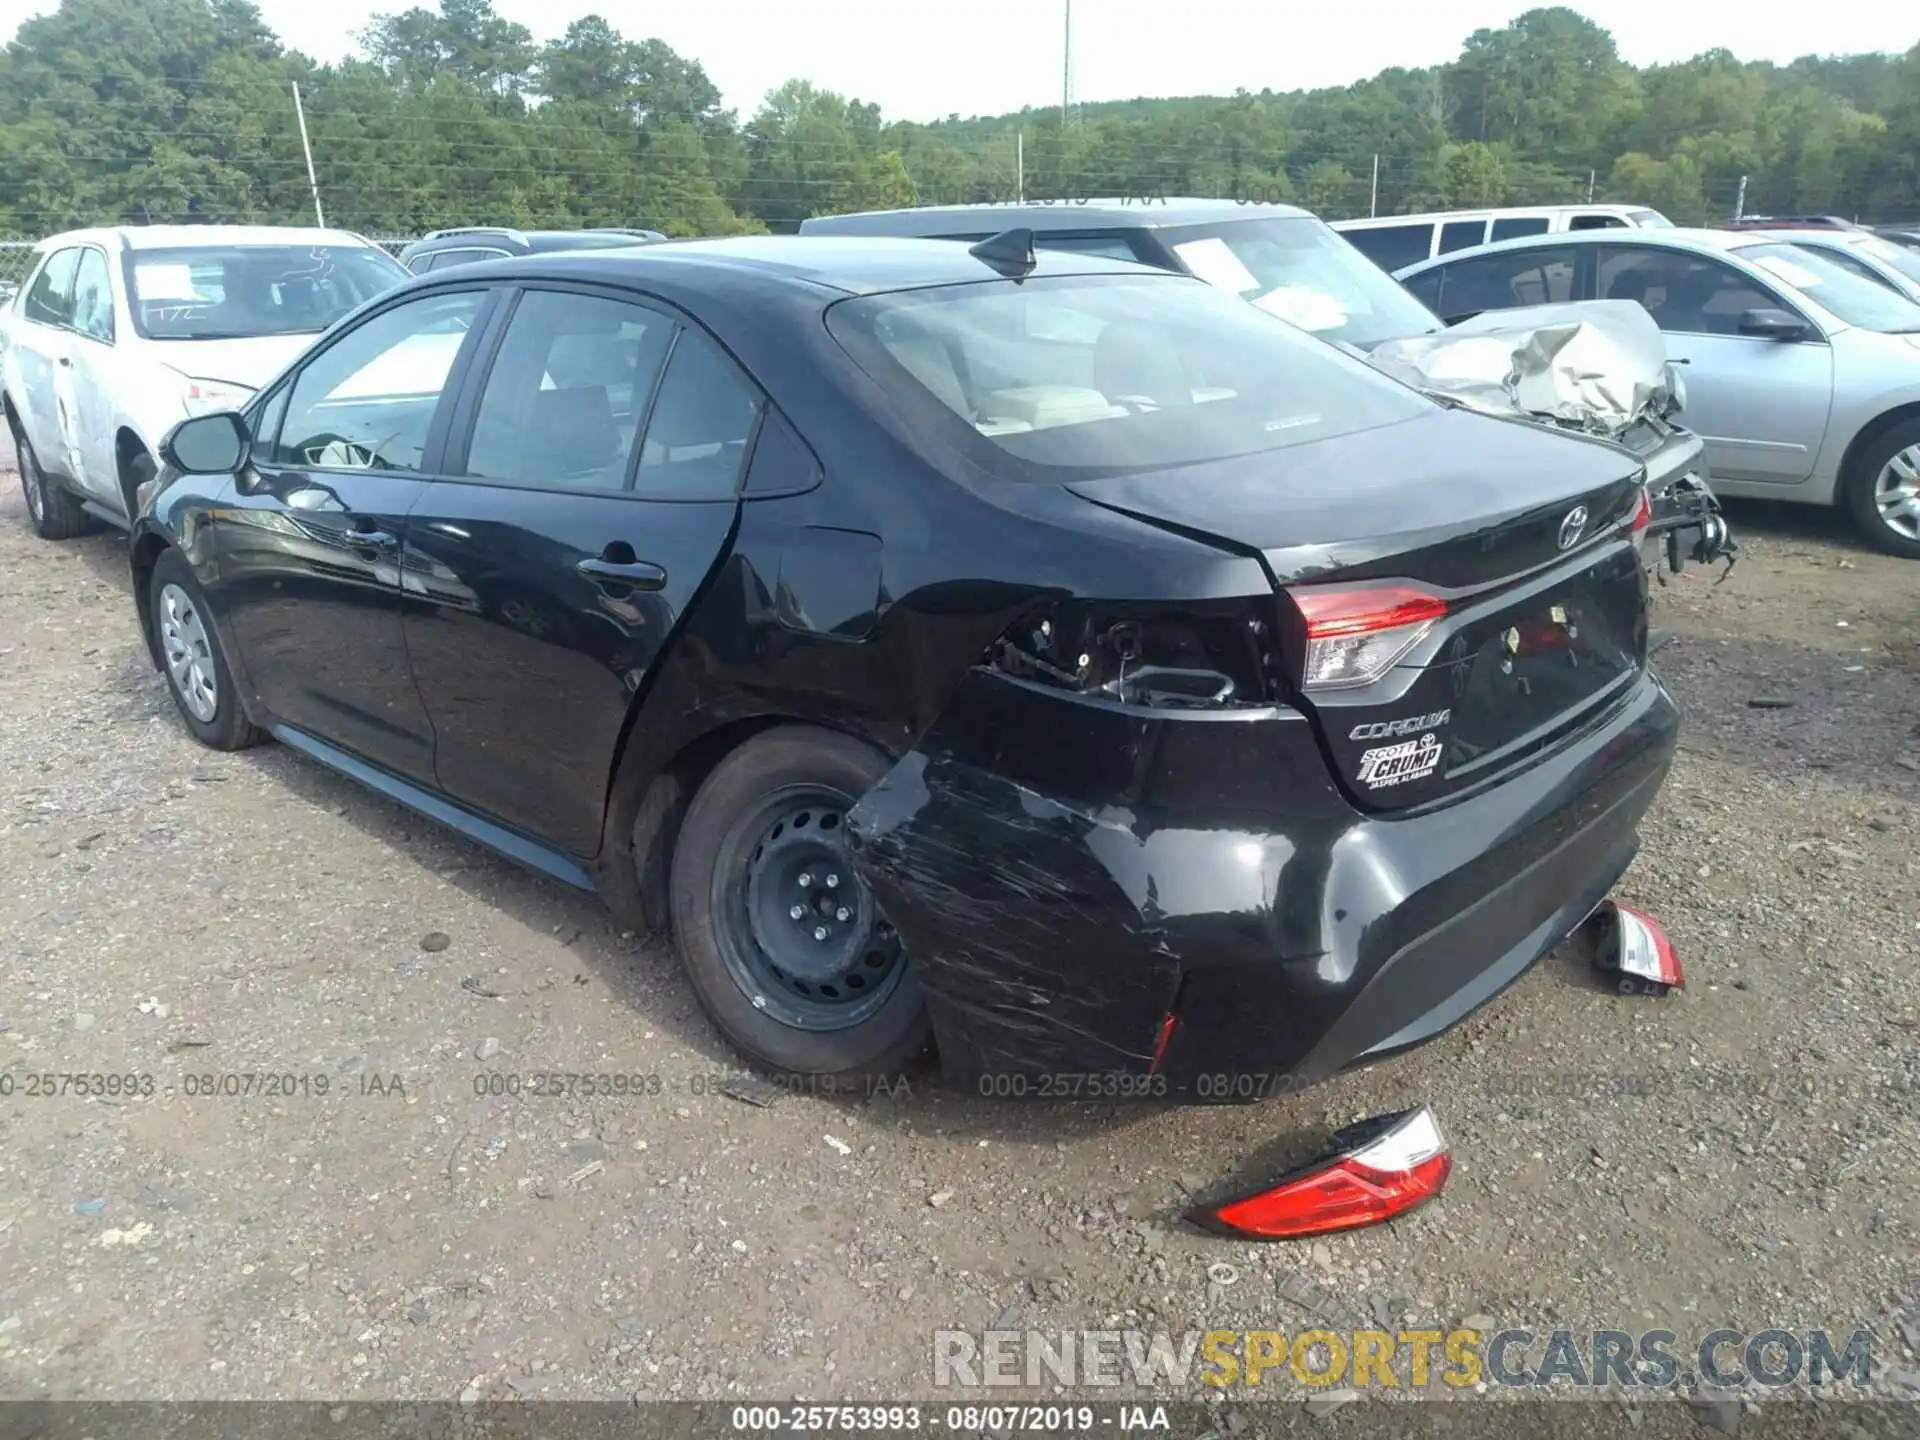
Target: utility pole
1066, 71
1020, 165
1373, 199
307, 146
1592, 175
1740, 199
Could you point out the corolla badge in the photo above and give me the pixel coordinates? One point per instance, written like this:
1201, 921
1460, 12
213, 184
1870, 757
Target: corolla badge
1572, 527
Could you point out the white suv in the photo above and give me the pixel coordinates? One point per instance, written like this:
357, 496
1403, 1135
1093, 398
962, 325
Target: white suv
118, 335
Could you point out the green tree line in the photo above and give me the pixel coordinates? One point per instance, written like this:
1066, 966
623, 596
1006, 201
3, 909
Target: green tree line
169, 110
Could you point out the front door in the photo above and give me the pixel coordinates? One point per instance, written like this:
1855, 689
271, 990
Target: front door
310, 550
95, 371
598, 461
1760, 405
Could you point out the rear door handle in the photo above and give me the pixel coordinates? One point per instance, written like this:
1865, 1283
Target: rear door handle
639, 574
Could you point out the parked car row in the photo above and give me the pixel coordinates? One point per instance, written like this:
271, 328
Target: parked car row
815, 598
1802, 372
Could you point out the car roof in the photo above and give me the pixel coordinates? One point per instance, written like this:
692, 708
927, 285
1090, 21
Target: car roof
853, 265
1046, 216
1676, 237
168, 237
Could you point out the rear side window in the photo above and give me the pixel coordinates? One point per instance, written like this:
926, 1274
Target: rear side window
1597, 222
1071, 377
701, 422
1392, 247
1514, 226
568, 392
1461, 235
50, 300
1501, 282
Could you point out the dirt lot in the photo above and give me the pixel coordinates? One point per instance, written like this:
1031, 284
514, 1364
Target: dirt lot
1742, 1156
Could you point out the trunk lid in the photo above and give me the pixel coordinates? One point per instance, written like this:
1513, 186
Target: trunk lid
1515, 545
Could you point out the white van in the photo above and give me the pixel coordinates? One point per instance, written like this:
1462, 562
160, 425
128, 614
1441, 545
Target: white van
1393, 241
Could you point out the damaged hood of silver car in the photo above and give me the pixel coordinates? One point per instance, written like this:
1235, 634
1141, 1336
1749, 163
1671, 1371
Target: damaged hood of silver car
1597, 366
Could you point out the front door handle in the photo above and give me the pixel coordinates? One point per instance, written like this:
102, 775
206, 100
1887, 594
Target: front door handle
637, 574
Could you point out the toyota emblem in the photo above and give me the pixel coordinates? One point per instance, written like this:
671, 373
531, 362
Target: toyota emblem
1572, 527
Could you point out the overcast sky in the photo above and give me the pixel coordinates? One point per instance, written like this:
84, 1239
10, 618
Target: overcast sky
921, 59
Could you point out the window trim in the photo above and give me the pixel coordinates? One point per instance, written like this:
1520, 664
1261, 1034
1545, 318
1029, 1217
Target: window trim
434, 452
113, 298
1816, 333
466, 412
26, 291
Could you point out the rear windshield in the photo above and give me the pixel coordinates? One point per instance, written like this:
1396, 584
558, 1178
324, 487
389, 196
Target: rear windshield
1302, 271
234, 292
1853, 298
1070, 377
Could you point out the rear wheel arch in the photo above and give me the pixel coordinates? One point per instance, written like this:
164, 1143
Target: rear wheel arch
649, 800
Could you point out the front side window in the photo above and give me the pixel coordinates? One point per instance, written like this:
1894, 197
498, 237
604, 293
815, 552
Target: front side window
1855, 301
231, 292
1073, 377
1542, 276
367, 402
1684, 292
1303, 272
568, 392
1392, 247
50, 299
1461, 235
93, 297
1514, 226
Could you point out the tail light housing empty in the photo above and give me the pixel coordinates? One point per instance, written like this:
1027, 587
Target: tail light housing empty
1356, 633
1385, 1167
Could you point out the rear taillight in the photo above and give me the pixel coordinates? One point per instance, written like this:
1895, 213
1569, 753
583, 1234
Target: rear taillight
1355, 634
1642, 512
1403, 1163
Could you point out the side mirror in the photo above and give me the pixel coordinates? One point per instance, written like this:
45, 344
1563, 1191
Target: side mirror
1770, 324
215, 444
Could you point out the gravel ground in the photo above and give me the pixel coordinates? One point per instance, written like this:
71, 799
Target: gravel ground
1740, 1156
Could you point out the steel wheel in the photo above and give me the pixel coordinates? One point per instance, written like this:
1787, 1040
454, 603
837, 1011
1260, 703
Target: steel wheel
189, 654
799, 933
1896, 493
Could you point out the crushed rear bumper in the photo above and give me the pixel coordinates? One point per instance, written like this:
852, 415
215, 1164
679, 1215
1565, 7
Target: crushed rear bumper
1068, 873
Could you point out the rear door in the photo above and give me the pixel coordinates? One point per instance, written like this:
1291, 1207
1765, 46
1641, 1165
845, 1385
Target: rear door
592, 487
42, 345
1760, 405
310, 547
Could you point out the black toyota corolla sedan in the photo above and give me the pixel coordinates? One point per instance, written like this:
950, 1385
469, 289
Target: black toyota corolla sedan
1043, 658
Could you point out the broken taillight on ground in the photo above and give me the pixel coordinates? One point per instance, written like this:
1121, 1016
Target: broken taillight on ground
1632, 950
1383, 1168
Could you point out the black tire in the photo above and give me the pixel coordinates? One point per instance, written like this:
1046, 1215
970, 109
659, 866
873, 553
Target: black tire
140, 469
841, 1028
1861, 494
224, 724
52, 509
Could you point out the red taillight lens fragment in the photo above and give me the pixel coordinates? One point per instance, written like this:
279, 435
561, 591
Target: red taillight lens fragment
1402, 1168
1356, 634
1633, 945
1642, 512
